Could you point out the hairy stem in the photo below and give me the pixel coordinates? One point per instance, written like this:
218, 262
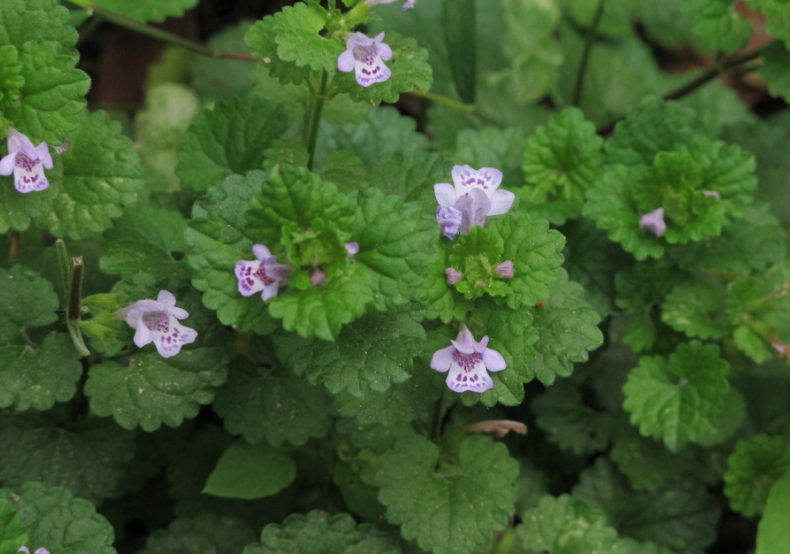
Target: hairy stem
436, 419
315, 118
725, 66
73, 304
588, 43
456, 105
150, 31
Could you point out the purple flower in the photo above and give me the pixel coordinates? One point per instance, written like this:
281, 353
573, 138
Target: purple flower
505, 269
263, 274
408, 4
352, 248
450, 220
27, 162
157, 321
26, 550
474, 194
654, 221
467, 362
366, 56
453, 276
318, 277
712, 193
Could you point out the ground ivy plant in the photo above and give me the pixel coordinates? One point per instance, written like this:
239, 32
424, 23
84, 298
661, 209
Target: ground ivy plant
387, 276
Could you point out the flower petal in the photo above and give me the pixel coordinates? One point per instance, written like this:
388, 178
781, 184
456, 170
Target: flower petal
384, 51
7, 164
501, 201
261, 252
166, 298
345, 61
172, 337
494, 360
178, 313
465, 341
371, 70
476, 380
270, 291
442, 359
445, 194
246, 273
143, 335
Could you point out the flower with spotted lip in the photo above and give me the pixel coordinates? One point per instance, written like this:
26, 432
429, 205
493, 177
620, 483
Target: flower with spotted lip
473, 197
157, 321
366, 56
26, 162
263, 274
467, 362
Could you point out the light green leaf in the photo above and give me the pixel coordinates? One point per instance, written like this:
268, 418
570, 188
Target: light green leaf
262, 403
752, 469
148, 10
26, 299
677, 399
372, 353
261, 40
773, 532
11, 80
450, 507
202, 534
775, 12
88, 458
249, 472
37, 20
719, 23
230, 138
101, 173
698, 308
320, 533
298, 40
56, 520
12, 536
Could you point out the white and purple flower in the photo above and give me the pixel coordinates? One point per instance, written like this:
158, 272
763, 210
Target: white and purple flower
157, 321
366, 56
472, 198
467, 362
263, 274
654, 221
408, 4
26, 162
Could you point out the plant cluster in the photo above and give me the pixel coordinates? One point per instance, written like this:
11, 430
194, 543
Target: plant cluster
269, 316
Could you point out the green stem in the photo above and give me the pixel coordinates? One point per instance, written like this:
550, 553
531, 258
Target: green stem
731, 65
456, 105
588, 43
315, 118
150, 31
73, 305
63, 264
436, 419
331, 5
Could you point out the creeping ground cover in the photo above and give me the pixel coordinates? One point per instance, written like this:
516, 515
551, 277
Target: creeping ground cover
394, 276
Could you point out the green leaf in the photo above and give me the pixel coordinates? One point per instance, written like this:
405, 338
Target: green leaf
346, 170
677, 399
298, 40
562, 159
717, 21
230, 138
439, 298
569, 422
145, 239
217, 239
772, 533
453, 506
513, 335
274, 405
26, 299
652, 127
754, 242
202, 534
37, 20
52, 97
101, 173
492, 147
410, 70
88, 458
39, 377
249, 472
222, 79
775, 12
568, 328
12, 536
372, 353
458, 22
55, 520
698, 309
395, 245
535, 250
752, 469
682, 517
11, 80
566, 525
776, 60
319, 533
476, 256
148, 10
262, 43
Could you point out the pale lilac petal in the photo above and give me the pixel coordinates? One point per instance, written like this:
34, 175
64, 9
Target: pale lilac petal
445, 194
476, 380
371, 71
379, 37
24, 549
442, 359
494, 360
270, 291
261, 252
29, 175
450, 220
654, 221
712, 193
467, 178
42, 550
318, 277
501, 201
142, 336
166, 298
408, 4
7, 164
505, 269
384, 51
465, 341
169, 337
245, 273
345, 62
42, 153
480, 347
179, 313
352, 248
453, 276
474, 207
